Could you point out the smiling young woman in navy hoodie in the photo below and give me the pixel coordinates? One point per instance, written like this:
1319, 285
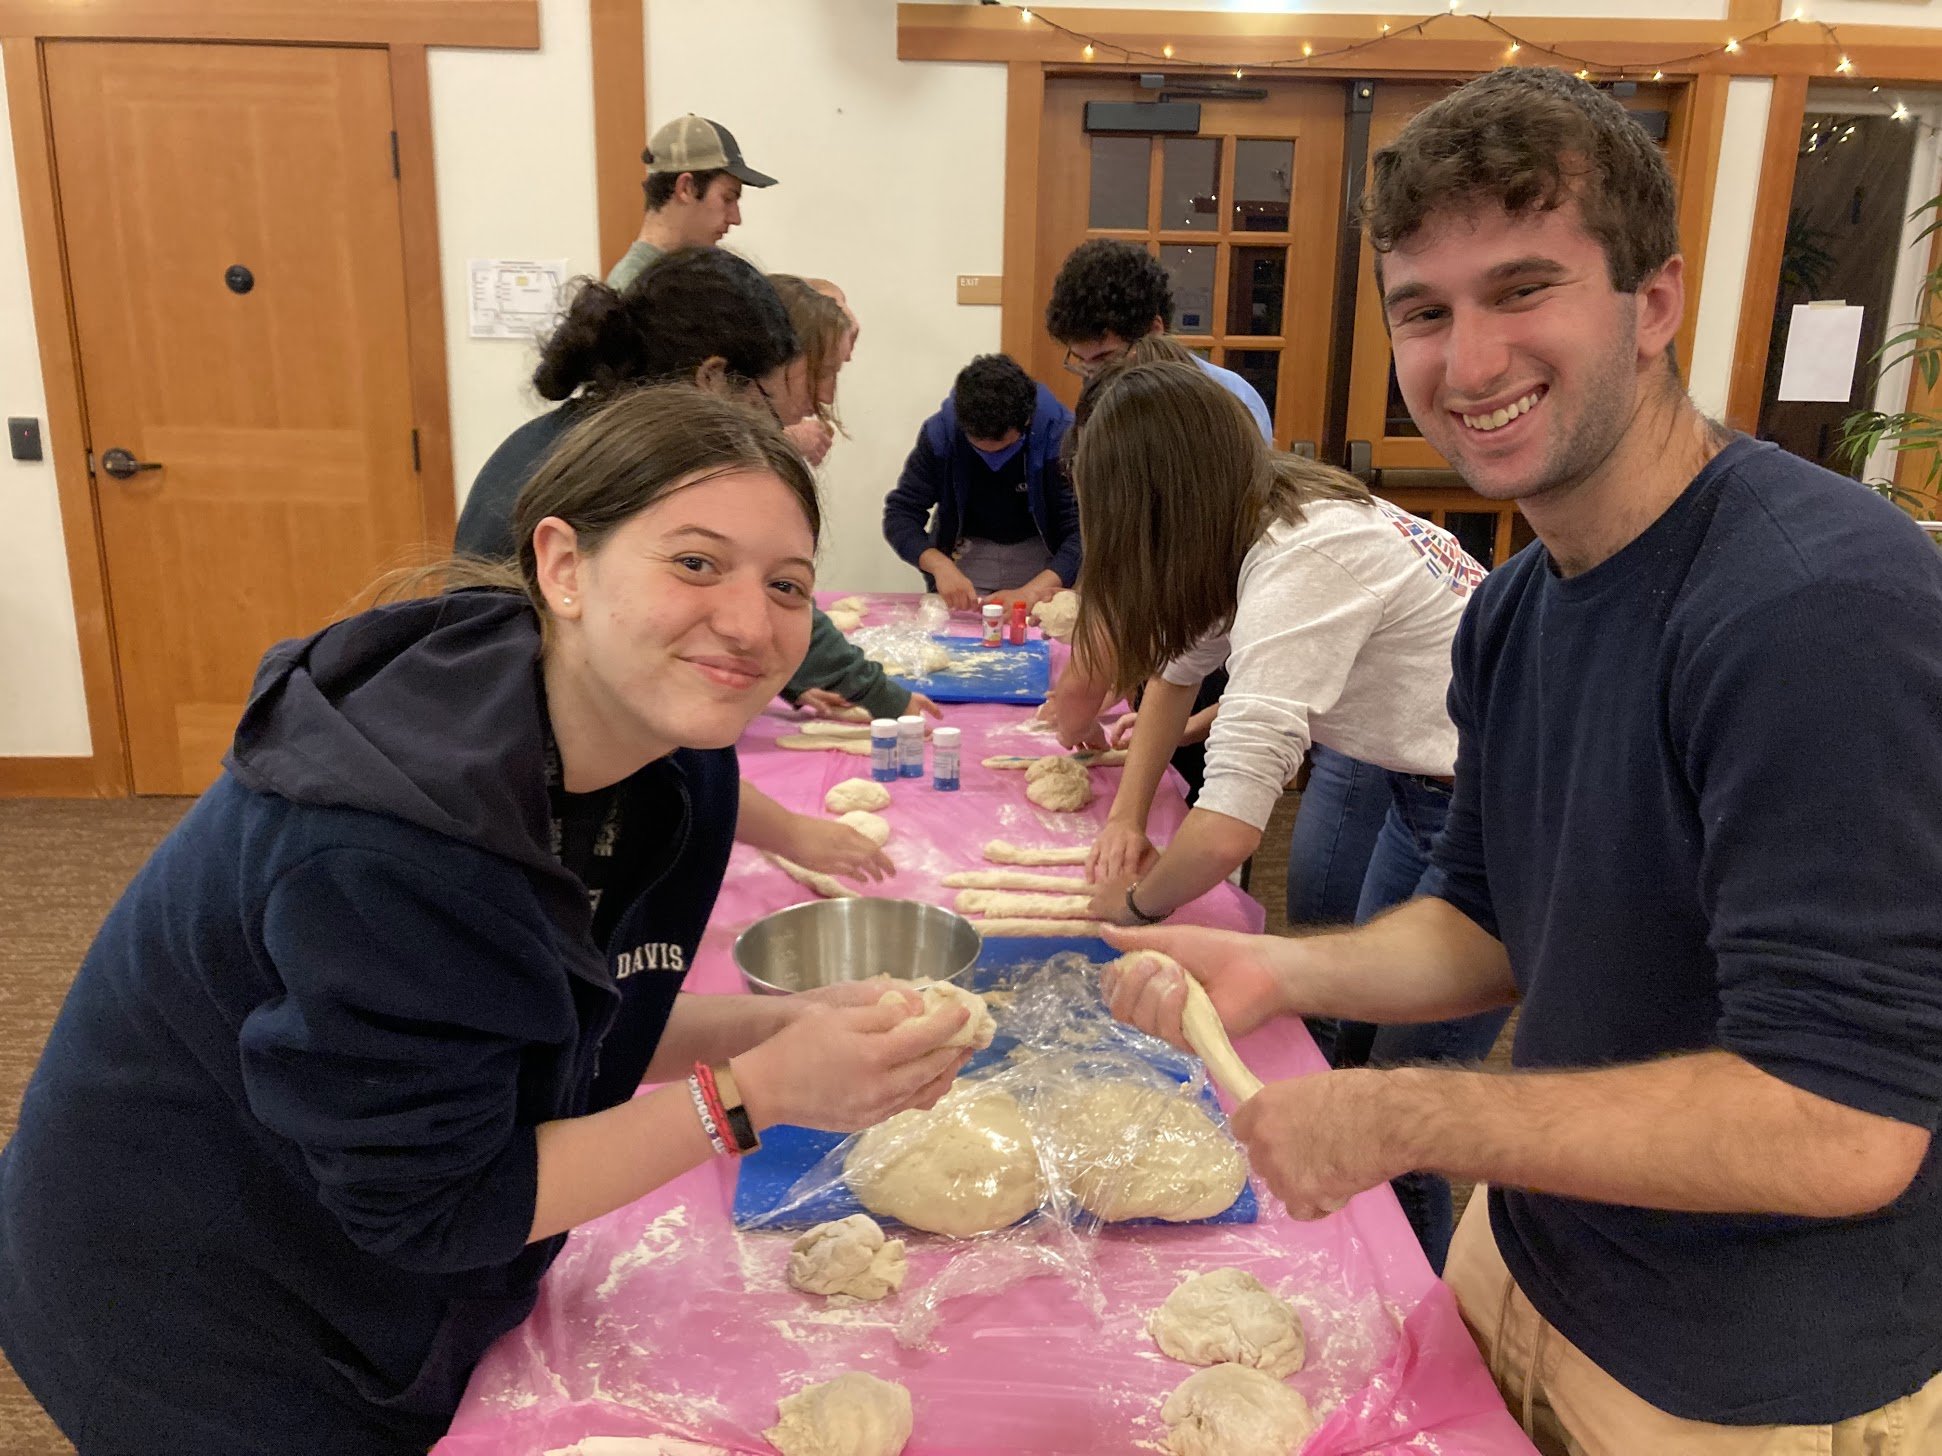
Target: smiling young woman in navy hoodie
358, 1044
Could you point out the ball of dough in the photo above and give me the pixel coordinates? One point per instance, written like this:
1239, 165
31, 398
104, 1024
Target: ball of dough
1227, 1317
873, 827
977, 1032
849, 1256
853, 1415
1060, 785
1131, 1150
844, 621
858, 604
856, 794
1231, 1410
1058, 615
964, 1167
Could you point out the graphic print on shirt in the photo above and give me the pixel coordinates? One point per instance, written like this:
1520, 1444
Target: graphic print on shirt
653, 955
1442, 557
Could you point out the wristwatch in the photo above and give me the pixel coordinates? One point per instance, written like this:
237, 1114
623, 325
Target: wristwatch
740, 1129
1133, 907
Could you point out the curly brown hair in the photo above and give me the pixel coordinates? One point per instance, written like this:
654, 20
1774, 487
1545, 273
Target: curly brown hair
1529, 139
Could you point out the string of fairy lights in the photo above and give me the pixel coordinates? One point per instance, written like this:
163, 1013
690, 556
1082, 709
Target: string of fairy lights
1092, 47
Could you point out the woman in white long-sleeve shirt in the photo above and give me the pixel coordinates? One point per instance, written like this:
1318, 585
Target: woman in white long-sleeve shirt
1334, 613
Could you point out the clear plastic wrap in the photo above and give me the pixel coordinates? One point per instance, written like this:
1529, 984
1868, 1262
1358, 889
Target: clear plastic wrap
665, 1321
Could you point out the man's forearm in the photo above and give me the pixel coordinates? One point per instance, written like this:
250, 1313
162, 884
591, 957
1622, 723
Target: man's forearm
1425, 960
1704, 1133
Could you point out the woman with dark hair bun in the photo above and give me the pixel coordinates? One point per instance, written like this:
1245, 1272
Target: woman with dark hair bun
707, 317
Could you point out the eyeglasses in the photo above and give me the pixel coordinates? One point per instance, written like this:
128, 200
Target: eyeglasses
1086, 368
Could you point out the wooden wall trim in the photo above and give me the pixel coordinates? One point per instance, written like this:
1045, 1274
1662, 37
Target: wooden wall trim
1912, 466
1703, 125
1455, 45
67, 444
493, 24
1772, 198
431, 403
1753, 13
1020, 292
619, 121
50, 778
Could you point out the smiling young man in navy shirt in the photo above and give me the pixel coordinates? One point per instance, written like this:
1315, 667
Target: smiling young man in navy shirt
1695, 835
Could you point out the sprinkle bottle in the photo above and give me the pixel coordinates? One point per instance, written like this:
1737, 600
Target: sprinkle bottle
944, 758
883, 749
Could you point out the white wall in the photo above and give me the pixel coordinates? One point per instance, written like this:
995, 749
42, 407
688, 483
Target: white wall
1709, 373
891, 182
513, 133
42, 708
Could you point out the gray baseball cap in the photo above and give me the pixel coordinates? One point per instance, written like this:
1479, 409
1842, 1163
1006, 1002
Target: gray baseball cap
695, 144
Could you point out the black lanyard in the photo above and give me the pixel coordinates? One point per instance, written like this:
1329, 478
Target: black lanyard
583, 830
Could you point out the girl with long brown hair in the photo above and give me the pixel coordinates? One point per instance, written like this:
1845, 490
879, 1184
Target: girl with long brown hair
360, 1043
1333, 612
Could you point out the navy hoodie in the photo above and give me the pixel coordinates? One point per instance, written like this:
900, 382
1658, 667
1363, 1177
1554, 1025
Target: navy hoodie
274, 1175
943, 468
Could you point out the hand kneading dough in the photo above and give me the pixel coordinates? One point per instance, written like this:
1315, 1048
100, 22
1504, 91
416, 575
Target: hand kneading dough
873, 827
1226, 1317
938, 995
853, 1415
1058, 784
965, 1167
1231, 1410
856, 794
1130, 1150
850, 1256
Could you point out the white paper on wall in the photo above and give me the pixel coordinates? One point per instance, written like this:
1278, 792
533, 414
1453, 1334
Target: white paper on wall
514, 298
1822, 342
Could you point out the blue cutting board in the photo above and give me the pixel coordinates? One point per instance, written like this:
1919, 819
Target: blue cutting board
1008, 673
787, 1153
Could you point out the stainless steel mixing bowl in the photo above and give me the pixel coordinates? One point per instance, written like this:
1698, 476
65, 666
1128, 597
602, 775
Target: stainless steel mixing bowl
826, 941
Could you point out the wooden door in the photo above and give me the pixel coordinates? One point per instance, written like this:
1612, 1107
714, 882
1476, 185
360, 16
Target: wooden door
231, 222
1243, 216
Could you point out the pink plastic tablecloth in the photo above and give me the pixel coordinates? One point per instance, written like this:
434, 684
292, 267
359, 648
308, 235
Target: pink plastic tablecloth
659, 1320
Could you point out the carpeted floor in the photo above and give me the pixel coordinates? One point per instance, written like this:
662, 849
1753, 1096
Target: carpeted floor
63, 863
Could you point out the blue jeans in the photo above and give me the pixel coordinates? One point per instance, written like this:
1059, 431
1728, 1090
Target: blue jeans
1413, 816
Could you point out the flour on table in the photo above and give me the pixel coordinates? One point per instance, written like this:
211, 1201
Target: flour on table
1227, 1316
856, 794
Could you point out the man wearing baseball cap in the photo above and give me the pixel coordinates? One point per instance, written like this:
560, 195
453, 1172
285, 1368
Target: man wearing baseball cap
695, 176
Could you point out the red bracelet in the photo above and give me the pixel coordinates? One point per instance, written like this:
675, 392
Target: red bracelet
706, 1118
705, 1075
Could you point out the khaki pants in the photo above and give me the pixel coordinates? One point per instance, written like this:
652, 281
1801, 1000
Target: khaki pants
1570, 1407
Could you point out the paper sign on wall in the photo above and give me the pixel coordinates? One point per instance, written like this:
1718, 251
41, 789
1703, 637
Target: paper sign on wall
1822, 342
515, 298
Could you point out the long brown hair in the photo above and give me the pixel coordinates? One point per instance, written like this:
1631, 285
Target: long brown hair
620, 458
821, 323
1175, 486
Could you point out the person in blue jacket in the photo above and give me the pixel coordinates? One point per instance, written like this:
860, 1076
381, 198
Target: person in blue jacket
359, 1043
983, 507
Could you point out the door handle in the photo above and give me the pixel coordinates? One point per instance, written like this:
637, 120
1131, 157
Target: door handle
1360, 463
1303, 448
124, 466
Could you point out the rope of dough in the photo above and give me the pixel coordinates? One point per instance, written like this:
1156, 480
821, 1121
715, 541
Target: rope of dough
1091, 758
1013, 904
1205, 1034
826, 728
859, 746
828, 886
1015, 880
999, 852
1061, 929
